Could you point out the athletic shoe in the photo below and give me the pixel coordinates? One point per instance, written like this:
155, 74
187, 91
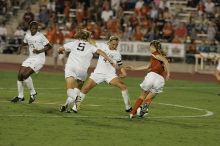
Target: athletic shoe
32, 98
17, 99
75, 108
128, 110
144, 110
63, 108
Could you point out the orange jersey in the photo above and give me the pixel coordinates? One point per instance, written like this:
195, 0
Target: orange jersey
156, 65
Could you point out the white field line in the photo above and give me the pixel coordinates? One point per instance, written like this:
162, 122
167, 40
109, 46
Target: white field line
206, 113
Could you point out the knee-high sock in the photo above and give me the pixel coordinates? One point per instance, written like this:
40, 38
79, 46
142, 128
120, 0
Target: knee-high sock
72, 94
30, 85
20, 86
126, 99
137, 104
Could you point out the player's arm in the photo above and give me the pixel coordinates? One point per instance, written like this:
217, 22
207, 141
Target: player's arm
102, 53
21, 47
166, 64
46, 47
147, 67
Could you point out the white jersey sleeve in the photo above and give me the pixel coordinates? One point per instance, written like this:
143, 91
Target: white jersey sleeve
44, 40
94, 48
68, 46
117, 58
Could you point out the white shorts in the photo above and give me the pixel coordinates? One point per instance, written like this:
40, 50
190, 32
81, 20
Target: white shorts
99, 77
76, 73
34, 63
153, 82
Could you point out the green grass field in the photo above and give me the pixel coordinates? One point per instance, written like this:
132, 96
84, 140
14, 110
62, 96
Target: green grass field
185, 114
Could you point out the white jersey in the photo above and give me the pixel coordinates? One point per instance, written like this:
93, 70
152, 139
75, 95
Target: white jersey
37, 41
81, 53
103, 66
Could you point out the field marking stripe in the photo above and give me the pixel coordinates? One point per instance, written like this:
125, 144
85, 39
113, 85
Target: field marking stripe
207, 113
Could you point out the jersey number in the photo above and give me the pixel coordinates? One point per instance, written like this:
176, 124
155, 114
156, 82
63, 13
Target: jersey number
81, 46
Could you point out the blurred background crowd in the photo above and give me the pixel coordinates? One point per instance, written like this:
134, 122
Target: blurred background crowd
195, 23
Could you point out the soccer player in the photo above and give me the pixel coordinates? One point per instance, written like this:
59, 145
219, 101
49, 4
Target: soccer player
37, 45
81, 52
104, 71
154, 81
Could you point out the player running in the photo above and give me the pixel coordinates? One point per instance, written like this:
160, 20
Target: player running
37, 44
154, 80
104, 71
78, 62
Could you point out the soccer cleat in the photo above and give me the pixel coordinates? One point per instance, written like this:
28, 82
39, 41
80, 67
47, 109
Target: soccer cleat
17, 99
75, 108
128, 110
32, 98
144, 110
63, 108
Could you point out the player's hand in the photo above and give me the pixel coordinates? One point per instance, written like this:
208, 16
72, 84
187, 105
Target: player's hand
37, 51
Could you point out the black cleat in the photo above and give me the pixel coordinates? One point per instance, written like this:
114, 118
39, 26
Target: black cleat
17, 99
32, 98
63, 108
128, 110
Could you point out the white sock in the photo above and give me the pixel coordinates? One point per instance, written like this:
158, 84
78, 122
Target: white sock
68, 101
20, 86
72, 94
82, 96
30, 85
126, 99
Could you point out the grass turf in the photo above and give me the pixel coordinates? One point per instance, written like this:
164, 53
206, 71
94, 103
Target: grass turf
102, 120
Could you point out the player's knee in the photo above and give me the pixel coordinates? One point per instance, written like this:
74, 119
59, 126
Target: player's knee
122, 87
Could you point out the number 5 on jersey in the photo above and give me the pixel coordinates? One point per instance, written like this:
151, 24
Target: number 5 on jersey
81, 46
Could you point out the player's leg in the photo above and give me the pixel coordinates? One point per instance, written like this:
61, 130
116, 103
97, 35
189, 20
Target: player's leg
90, 83
124, 91
76, 104
147, 102
72, 92
138, 102
20, 86
29, 82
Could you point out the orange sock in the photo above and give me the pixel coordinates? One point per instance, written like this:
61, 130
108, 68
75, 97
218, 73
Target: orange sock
137, 104
148, 101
